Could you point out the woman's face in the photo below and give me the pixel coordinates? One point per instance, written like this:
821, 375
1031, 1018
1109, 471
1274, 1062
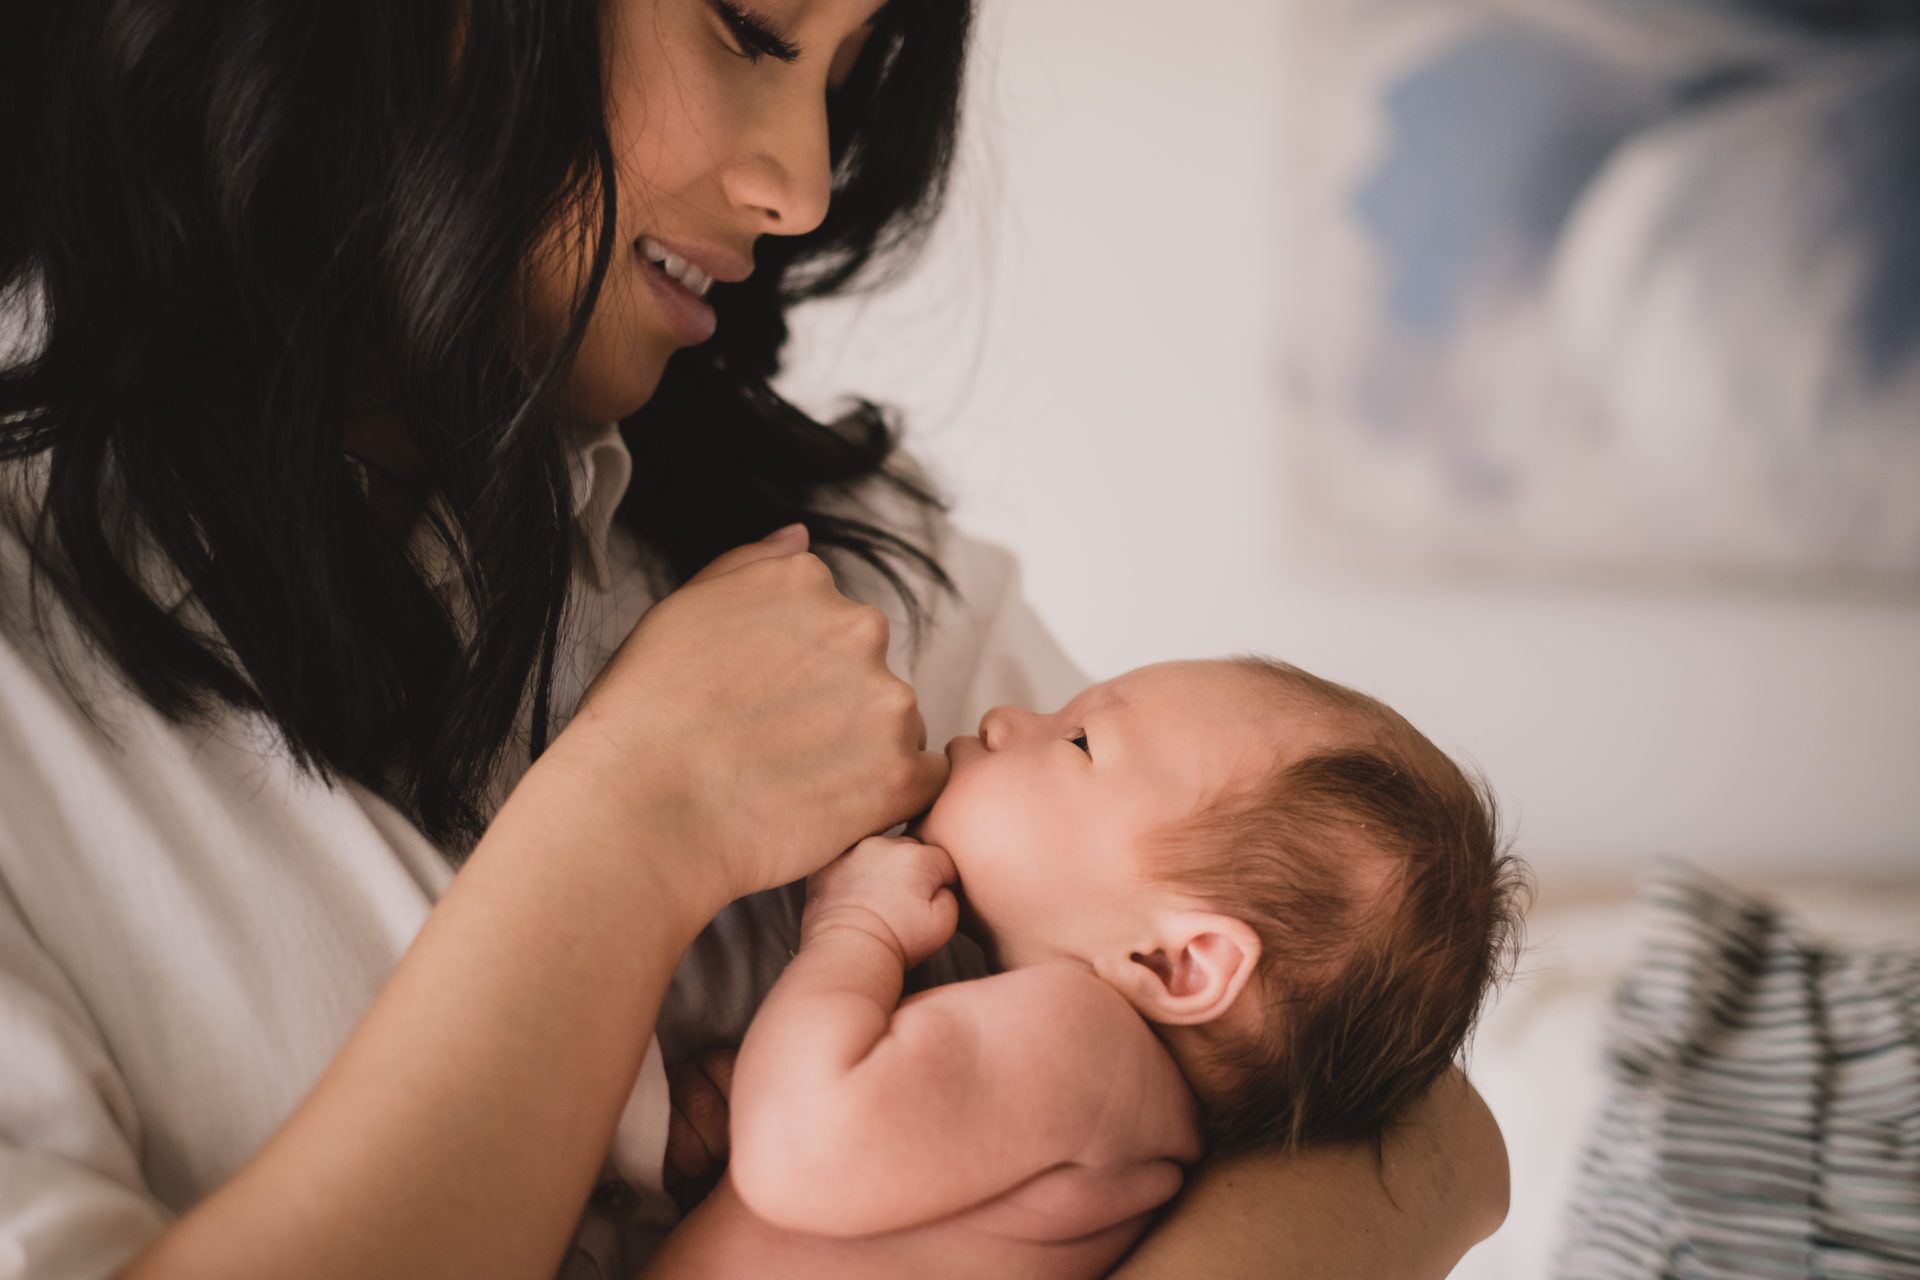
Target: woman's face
712, 150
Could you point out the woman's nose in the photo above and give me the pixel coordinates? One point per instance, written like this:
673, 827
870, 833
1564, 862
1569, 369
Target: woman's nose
783, 173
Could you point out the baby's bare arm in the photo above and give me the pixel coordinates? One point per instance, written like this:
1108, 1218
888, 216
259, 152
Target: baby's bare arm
849, 1122
853, 1116
870, 914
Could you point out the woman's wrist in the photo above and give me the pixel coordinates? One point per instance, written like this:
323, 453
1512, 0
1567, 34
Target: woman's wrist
642, 840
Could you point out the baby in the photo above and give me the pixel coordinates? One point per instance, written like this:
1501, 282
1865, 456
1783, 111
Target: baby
1230, 905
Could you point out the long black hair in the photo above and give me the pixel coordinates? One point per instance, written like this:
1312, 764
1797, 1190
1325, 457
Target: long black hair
241, 223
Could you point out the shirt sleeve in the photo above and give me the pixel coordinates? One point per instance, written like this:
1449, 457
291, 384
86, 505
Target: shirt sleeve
73, 1204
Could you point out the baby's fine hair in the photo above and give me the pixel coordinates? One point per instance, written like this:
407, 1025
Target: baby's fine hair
1386, 911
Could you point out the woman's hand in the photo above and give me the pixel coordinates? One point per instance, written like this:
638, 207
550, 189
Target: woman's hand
759, 698
1437, 1187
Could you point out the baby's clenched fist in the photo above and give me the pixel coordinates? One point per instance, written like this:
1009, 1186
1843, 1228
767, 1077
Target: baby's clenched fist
891, 887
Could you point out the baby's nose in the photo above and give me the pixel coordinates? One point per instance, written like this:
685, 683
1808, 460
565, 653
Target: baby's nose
1000, 725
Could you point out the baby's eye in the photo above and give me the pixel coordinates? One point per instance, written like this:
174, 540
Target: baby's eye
1080, 741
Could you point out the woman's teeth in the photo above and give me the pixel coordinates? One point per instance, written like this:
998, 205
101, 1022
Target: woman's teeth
696, 281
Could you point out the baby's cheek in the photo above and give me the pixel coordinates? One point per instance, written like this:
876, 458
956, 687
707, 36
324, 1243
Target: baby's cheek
973, 822
946, 822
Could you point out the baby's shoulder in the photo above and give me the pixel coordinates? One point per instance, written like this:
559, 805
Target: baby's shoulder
1054, 1000
1071, 1031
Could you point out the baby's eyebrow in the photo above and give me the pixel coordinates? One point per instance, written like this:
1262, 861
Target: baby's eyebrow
1090, 702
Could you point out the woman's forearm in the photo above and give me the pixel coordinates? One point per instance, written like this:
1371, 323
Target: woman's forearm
459, 1130
1440, 1189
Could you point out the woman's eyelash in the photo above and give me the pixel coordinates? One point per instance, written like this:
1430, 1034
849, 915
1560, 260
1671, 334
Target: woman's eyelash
755, 36
1080, 740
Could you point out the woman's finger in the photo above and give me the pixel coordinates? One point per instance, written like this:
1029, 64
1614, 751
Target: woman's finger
790, 737
929, 777
781, 542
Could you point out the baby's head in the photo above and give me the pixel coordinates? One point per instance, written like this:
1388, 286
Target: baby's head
1301, 892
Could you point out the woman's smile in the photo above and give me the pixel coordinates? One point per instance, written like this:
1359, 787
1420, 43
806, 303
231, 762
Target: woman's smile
689, 316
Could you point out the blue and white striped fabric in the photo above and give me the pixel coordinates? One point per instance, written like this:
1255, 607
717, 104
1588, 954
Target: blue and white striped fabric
1763, 1118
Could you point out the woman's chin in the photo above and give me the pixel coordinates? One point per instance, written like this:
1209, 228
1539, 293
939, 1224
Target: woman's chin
612, 385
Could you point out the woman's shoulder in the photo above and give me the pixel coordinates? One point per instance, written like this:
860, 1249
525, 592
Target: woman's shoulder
77, 738
49, 663
40, 637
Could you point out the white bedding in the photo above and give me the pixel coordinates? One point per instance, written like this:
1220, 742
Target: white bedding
1536, 1057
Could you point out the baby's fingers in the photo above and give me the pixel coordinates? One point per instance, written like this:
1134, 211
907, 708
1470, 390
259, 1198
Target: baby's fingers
944, 911
938, 919
937, 864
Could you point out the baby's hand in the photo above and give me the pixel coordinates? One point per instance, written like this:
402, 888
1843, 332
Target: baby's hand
890, 887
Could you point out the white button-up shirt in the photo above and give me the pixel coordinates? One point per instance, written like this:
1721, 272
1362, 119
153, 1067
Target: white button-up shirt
190, 927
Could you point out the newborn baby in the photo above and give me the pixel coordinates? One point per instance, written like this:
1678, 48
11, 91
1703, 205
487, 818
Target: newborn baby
1230, 905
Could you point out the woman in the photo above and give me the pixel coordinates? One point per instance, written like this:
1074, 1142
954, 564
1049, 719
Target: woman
349, 448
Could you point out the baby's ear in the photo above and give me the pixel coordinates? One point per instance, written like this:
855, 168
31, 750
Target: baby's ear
1191, 971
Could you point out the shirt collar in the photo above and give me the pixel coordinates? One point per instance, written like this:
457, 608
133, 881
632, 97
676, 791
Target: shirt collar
599, 467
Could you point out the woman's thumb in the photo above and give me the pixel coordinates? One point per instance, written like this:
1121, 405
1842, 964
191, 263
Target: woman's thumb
785, 541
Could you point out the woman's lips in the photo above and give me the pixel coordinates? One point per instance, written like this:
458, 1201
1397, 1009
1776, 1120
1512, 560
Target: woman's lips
690, 318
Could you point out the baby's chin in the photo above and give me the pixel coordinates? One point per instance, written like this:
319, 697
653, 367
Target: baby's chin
917, 826
945, 811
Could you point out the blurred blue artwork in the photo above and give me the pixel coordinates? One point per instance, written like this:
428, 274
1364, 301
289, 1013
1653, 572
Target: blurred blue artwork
1628, 284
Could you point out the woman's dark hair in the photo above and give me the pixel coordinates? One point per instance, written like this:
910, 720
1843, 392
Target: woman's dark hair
241, 225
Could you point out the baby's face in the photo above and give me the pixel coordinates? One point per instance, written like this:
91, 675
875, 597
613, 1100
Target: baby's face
1046, 816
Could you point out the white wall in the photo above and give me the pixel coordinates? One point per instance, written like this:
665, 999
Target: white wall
1088, 358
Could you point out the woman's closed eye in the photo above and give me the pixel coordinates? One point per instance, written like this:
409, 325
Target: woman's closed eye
753, 33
